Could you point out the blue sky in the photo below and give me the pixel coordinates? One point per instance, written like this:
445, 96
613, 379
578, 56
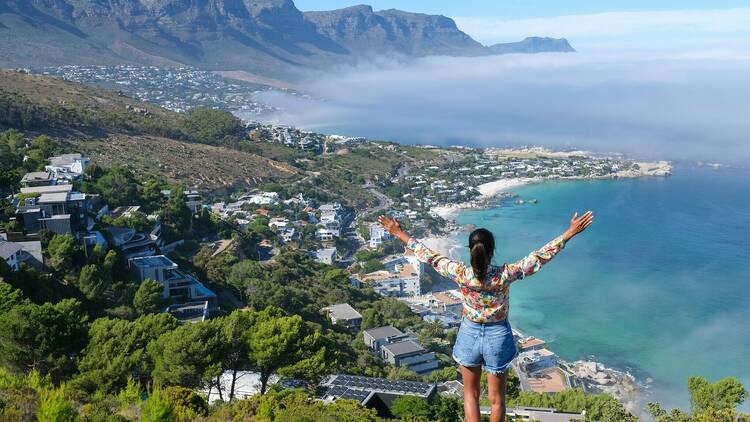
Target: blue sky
587, 23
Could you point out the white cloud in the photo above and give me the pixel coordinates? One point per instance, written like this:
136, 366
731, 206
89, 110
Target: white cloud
678, 106
597, 26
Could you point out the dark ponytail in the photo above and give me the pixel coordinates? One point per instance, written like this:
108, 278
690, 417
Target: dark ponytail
482, 246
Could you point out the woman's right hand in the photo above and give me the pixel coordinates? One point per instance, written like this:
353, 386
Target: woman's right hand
578, 224
390, 224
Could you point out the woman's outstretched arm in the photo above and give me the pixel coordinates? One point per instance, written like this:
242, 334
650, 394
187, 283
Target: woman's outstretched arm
535, 260
441, 263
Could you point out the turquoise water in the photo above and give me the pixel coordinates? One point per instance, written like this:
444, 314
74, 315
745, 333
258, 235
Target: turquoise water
659, 285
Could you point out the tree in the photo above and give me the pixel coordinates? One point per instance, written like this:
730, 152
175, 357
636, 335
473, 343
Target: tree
724, 394
234, 329
210, 126
118, 186
189, 356
148, 298
187, 405
55, 407
410, 407
175, 215
9, 297
117, 352
157, 408
284, 343
46, 338
90, 282
446, 408
372, 319
62, 250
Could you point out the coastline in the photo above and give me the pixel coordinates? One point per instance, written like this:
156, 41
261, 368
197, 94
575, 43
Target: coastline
592, 376
488, 191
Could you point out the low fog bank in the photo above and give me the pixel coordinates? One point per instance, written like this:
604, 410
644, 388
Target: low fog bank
691, 105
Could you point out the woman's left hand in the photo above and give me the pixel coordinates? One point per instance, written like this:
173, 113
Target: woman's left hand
578, 224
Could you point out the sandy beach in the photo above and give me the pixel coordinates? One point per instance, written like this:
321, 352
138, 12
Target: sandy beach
487, 191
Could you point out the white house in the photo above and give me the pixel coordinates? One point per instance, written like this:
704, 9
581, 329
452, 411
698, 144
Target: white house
67, 166
377, 235
326, 235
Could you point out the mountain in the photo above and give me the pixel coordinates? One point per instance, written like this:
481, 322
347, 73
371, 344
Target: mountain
533, 45
361, 30
269, 38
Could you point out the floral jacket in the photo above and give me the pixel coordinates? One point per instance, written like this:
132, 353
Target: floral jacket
486, 300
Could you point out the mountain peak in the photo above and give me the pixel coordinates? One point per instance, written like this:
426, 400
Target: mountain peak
531, 45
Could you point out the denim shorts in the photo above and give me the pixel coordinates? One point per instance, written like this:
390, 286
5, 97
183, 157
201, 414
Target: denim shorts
491, 345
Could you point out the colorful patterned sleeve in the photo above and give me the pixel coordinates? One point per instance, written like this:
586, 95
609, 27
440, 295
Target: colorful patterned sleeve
441, 263
534, 261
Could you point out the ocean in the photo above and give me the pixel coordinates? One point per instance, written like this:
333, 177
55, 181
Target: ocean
658, 286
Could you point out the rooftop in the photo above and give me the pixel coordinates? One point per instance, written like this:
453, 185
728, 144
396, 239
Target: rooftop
37, 176
531, 342
156, 261
379, 385
47, 189
64, 159
54, 197
343, 311
383, 332
404, 347
8, 249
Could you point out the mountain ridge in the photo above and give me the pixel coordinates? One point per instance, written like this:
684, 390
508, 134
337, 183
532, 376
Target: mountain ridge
264, 37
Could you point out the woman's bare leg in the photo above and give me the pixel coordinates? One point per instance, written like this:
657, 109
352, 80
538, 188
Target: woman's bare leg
496, 393
471, 377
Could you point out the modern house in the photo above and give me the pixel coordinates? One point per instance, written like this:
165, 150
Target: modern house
37, 178
178, 285
326, 235
374, 338
67, 167
536, 360
411, 354
58, 212
193, 200
397, 348
344, 315
326, 255
133, 244
378, 234
374, 393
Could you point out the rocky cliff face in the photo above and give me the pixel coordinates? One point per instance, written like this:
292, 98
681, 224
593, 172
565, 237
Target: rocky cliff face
361, 29
267, 37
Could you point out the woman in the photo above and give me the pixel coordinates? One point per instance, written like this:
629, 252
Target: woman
485, 340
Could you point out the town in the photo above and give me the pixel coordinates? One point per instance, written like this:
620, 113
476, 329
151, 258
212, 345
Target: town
176, 88
49, 206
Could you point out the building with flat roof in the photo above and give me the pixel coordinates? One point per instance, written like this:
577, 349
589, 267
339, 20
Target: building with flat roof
378, 234
326, 255
374, 393
343, 314
37, 178
397, 348
67, 166
47, 189
531, 343
376, 337
178, 285
411, 354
